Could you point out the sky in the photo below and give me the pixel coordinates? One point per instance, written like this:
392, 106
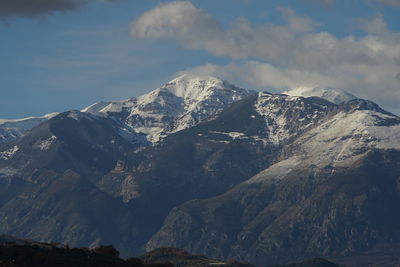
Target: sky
58, 55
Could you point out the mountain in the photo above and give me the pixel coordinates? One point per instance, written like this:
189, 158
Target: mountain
334, 192
75, 156
203, 165
333, 95
13, 129
177, 105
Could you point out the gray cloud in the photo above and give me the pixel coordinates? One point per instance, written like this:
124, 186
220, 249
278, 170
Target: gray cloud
39, 8
284, 56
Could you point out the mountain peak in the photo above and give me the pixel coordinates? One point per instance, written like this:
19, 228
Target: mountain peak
181, 103
194, 87
333, 95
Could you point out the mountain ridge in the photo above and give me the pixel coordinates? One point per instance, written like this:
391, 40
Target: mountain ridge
192, 94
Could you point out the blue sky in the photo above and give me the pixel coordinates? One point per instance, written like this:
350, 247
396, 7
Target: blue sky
64, 58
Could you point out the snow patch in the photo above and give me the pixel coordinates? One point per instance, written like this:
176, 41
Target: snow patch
46, 144
6, 155
233, 135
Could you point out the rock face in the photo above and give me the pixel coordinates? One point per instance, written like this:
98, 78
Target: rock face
206, 166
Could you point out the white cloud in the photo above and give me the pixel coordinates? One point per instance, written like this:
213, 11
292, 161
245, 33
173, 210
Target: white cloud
195, 29
285, 56
180, 21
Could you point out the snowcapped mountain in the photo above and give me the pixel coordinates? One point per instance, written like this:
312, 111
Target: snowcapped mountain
12, 129
177, 105
333, 95
181, 103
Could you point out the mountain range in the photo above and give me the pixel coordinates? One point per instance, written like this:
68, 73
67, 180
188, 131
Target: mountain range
207, 166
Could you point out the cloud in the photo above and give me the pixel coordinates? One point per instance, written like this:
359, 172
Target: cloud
284, 56
184, 23
195, 29
39, 8
261, 75
29, 8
